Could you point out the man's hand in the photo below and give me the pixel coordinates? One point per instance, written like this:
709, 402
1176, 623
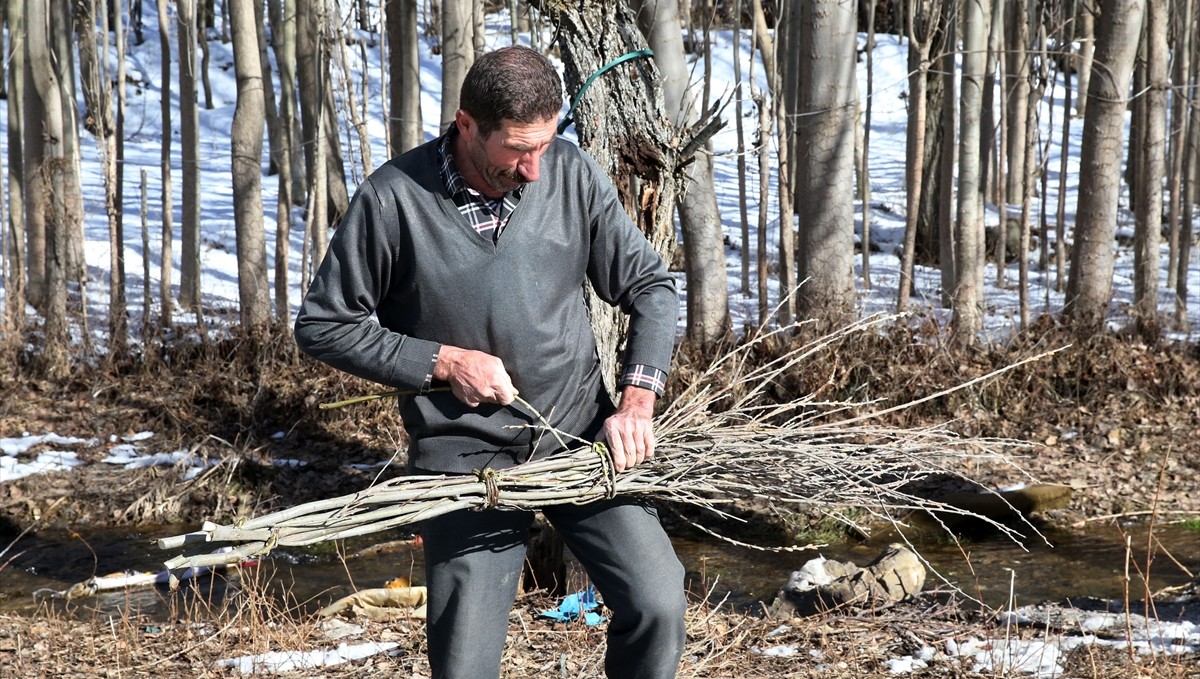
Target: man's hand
474, 377
629, 432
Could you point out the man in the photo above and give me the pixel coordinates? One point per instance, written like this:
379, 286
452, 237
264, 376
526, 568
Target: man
472, 251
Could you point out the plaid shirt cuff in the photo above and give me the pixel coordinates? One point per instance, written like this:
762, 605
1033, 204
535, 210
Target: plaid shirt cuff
644, 376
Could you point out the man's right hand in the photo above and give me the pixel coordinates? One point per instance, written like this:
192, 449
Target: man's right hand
474, 377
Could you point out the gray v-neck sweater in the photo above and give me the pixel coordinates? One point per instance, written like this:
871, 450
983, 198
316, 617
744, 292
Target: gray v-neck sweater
405, 254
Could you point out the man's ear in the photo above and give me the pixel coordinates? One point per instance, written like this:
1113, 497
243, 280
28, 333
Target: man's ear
466, 123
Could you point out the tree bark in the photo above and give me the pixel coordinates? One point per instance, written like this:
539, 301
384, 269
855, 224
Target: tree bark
189, 141
1087, 52
404, 75
97, 93
968, 293
458, 53
1018, 74
1191, 165
249, 117
168, 203
1148, 221
739, 96
783, 96
63, 46
317, 113
1089, 286
275, 154
283, 44
941, 190
921, 20
699, 219
1183, 28
864, 172
43, 84
939, 30
15, 254
825, 131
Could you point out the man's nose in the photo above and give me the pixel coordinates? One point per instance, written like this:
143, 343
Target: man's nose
530, 167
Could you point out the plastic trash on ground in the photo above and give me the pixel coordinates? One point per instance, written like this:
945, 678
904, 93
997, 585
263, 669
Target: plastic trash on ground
574, 606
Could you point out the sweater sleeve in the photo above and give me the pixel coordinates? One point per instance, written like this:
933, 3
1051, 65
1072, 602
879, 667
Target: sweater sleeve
336, 322
626, 271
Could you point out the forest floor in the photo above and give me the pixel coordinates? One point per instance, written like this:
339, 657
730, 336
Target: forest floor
1115, 419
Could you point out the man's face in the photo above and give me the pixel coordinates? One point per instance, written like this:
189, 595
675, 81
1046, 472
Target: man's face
508, 158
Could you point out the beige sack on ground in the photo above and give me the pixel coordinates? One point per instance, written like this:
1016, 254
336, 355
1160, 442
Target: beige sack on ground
384, 603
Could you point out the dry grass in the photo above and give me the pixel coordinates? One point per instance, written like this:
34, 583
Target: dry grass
721, 643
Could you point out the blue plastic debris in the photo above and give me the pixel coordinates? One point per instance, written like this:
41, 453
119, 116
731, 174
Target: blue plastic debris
574, 606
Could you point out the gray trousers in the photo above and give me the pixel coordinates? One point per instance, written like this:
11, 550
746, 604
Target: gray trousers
473, 562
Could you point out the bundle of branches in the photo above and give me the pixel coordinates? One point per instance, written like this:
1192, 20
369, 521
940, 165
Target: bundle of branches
721, 441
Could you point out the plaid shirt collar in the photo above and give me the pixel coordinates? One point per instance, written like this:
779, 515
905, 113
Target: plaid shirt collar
488, 216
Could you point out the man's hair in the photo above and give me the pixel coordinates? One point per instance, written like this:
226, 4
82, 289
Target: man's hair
511, 83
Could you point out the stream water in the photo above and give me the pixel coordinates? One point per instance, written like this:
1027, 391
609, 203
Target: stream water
1090, 562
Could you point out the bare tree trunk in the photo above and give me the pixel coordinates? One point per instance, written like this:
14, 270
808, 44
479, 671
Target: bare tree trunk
287, 158
8, 257
739, 95
249, 118
1182, 27
357, 123
146, 293
478, 25
765, 121
97, 87
168, 208
189, 140
63, 46
1060, 277
1032, 169
992, 83
205, 54
1087, 50
825, 130
700, 221
458, 53
15, 254
317, 112
939, 147
864, 174
1018, 64
34, 175
921, 19
1089, 287
1148, 224
968, 293
283, 43
771, 118
788, 38
119, 309
1135, 158
1190, 172
272, 113
786, 308
52, 165
405, 76
947, 159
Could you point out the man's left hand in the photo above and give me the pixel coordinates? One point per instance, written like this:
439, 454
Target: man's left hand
629, 432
